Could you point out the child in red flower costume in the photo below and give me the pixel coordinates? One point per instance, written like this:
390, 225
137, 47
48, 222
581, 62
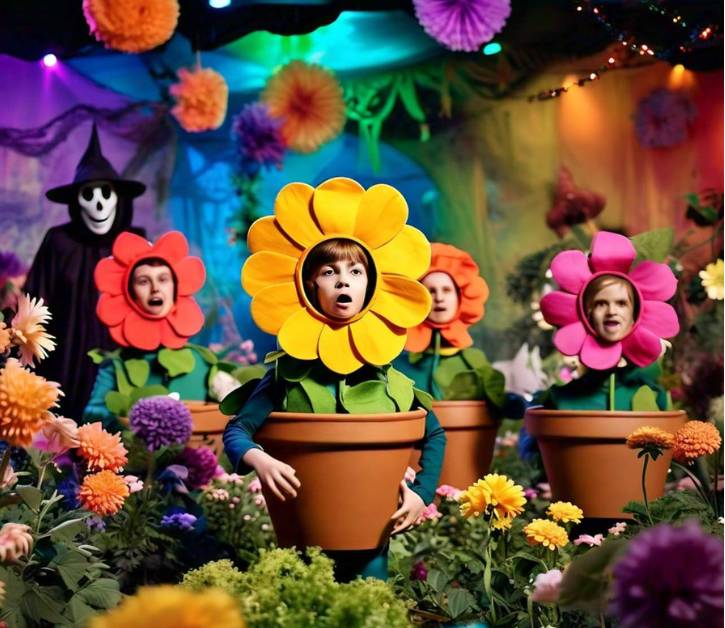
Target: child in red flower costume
146, 302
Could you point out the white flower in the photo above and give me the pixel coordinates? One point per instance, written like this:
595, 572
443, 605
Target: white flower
222, 384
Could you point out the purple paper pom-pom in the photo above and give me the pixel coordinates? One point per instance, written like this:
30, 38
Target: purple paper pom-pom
259, 138
462, 24
670, 577
201, 463
160, 421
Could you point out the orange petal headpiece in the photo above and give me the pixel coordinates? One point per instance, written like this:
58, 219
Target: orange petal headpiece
129, 324
472, 292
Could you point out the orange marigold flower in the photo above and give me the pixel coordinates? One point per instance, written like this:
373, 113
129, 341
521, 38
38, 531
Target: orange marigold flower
695, 439
650, 436
25, 402
201, 99
101, 449
4, 337
547, 533
103, 493
131, 25
309, 101
15, 541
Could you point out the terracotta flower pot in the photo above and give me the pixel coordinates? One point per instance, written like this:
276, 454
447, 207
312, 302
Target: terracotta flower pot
350, 467
208, 425
588, 463
470, 439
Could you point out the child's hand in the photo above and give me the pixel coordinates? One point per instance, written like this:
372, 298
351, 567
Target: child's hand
411, 507
277, 476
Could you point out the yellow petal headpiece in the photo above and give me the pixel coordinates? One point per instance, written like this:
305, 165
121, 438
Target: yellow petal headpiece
338, 208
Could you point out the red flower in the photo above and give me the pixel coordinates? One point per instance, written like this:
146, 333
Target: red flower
129, 324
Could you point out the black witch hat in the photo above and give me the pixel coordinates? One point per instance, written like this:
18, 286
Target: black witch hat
93, 166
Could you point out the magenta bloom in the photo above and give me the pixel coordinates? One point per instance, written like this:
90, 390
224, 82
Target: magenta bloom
201, 463
654, 283
670, 577
462, 24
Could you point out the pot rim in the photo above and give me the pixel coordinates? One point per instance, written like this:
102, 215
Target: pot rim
619, 414
302, 417
452, 403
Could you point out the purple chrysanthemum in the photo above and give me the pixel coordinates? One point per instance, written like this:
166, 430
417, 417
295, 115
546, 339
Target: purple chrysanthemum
201, 463
10, 265
182, 521
259, 138
670, 577
462, 24
418, 571
663, 118
160, 421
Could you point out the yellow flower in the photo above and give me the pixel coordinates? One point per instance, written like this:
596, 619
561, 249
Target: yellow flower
103, 493
650, 436
565, 512
547, 533
338, 208
695, 439
167, 606
28, 330
713, 280
25, 402
496, 494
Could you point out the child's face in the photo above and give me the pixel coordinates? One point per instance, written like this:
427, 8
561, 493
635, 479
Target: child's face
612, 312
445, 297
341, 288
153, 287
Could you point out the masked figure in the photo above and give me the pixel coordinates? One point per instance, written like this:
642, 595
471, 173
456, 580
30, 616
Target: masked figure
100, 204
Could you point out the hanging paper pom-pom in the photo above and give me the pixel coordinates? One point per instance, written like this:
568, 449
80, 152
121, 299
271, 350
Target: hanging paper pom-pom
201, 99
259, 139
131, 25
309, 100
462, 24
664, 118
572, 205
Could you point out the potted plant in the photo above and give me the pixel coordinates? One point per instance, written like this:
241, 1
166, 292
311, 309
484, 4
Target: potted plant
333, 275
613, 317
468, 392
146, 301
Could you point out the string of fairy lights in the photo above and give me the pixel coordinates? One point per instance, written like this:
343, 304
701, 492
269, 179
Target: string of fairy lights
630, 49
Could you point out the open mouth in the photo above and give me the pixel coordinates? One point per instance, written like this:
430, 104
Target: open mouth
156, 301
344, 299
439, 308
611, 324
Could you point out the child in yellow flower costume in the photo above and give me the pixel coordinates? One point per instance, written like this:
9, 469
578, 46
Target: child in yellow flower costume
333, 275
440, 357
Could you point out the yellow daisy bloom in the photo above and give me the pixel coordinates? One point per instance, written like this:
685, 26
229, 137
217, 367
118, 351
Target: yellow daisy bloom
565, 512
713, 280
496, 494
166, 606
547, 533
303, 218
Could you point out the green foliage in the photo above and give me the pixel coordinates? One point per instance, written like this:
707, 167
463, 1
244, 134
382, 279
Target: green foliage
675, 507
138, 371
366, 398
654, 245
286, 589
645, 400
235, 400
177, 361
469, 375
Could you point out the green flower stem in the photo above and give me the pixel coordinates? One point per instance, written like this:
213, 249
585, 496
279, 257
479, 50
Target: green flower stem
612, 388
487, 577
698, 486
644, 488
5, 462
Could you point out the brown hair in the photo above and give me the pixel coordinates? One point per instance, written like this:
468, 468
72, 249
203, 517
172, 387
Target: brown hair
328, 252
604, 281
149, 261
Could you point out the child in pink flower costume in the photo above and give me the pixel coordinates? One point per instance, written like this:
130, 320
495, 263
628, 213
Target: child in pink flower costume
614, 317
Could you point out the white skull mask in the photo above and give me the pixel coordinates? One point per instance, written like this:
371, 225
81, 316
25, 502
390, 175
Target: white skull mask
98, 201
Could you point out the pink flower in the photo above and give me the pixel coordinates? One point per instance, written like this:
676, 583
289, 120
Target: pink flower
653, 283
429, 513
9, 479
618, 528
255, 486
530, 493
219, 472
57, 436
587, 539
15, 541
544, 490
134, 484
260, 501
547, 587
449, 492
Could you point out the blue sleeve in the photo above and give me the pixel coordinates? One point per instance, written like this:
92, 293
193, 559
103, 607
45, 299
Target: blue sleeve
241, 429
96, 409
431, 459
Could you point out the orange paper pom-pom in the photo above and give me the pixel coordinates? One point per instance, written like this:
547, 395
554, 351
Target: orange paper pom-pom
309, 101
201, 99
131, 25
